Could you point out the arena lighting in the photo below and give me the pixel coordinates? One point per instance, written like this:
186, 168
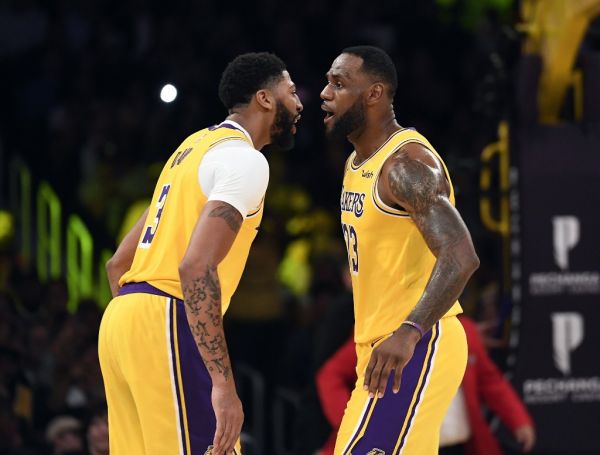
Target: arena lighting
168, 93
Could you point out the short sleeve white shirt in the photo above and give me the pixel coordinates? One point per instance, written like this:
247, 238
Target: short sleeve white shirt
236, 173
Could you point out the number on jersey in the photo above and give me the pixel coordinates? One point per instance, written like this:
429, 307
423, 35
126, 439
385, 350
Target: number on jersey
152, 228
352, 246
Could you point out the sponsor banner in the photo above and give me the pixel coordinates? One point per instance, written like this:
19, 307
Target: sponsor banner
556, 279
566, 236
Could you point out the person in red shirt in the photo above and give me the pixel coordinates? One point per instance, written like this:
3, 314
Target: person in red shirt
335, 381
483, 383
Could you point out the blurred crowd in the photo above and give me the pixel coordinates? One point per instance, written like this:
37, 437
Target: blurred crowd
82, 109
51, 391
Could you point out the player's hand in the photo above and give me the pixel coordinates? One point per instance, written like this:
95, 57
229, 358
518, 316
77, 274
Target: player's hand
230, 416
525, 435
391, 355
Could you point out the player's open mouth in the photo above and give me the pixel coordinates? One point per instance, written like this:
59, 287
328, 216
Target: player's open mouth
294, 128
328, 114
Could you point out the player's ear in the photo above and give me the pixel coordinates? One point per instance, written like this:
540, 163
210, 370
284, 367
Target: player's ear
265, 99
375, 93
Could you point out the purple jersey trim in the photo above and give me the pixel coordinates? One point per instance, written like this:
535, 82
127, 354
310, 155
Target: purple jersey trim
223, 125
142, 288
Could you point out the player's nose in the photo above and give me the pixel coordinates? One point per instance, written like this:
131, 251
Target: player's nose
326, 93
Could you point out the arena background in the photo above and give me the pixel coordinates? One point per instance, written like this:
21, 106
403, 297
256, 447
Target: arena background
508, 92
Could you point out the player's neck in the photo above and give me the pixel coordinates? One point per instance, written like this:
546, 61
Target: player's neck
373, 135
255, 126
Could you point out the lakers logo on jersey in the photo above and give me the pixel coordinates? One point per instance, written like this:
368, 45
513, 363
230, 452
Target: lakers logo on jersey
376, 452
387, 253
352, 202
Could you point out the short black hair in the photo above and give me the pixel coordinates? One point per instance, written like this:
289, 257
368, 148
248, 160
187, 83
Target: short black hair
377, 63
246, 74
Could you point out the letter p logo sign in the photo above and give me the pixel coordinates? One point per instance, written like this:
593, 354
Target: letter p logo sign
567, 329
566, 236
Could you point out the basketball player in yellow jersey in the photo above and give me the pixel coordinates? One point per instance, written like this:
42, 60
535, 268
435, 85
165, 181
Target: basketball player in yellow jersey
410, 256
164, 359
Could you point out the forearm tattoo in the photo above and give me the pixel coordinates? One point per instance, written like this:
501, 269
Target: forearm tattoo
232, 217
422, 188
202, 298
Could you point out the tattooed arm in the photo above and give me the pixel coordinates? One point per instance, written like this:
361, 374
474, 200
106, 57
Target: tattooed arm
417, 182
121, 261
213, 236
414, 179
211, 240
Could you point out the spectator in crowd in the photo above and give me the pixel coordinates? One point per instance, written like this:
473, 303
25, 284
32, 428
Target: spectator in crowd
483, 384
63, 434
97, 432
335, 381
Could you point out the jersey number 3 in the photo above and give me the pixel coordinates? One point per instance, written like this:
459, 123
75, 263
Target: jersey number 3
151, 229
352, 246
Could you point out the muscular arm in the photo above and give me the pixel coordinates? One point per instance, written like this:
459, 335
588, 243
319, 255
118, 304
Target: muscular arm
213, 236
121, 261
416, 181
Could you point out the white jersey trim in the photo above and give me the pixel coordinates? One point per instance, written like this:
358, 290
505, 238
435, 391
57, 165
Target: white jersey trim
172, 375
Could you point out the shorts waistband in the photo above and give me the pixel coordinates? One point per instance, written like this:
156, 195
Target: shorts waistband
142, 288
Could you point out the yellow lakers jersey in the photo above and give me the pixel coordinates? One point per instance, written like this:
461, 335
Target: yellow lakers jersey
389, 261
176, 205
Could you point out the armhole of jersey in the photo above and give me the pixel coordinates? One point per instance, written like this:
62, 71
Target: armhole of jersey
439, 160
377, 201
256, 211
382, 206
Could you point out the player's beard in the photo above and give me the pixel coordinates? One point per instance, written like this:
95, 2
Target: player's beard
282, 135
349, 122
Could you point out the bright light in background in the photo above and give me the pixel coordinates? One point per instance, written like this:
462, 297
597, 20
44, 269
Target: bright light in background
168, 93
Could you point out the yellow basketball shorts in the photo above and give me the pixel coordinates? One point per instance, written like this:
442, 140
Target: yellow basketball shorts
157, 387
408, 422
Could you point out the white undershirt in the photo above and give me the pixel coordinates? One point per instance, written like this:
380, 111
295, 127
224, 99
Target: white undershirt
236, 173
455, 426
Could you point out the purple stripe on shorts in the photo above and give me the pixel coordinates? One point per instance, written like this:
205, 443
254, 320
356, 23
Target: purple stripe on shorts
175, 379
362, 423
142, 288
420, 392
197, 387
391, 411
